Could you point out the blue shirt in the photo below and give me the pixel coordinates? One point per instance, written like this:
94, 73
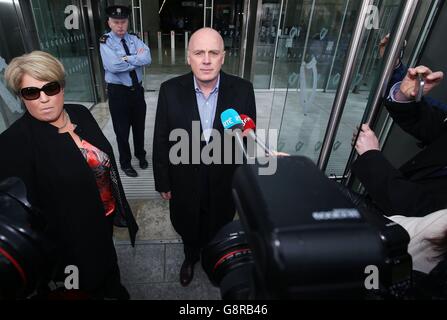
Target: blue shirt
112, 53
393, 92
394, 85
207, 108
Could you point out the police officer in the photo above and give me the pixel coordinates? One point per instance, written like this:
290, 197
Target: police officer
124, 56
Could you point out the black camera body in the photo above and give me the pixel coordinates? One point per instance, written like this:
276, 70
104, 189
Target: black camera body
25, 254
308, 240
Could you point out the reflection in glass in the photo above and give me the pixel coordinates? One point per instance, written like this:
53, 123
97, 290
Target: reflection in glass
369, 65
159, 21
10, 105
228, 20
266, 42
309, 64
184, 18
67, 44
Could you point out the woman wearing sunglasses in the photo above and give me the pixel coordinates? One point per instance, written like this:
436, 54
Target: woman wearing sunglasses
70, 172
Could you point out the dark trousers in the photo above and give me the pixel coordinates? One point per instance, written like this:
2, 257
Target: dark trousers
112, 287
205, 235
109, 288
128, 109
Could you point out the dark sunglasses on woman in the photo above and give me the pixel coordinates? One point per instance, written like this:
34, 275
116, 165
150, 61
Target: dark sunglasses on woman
33, 93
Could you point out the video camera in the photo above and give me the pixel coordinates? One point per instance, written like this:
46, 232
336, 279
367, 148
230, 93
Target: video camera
301, 237
25, 262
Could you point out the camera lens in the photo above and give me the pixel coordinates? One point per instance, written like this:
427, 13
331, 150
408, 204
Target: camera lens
228, 262
23, 260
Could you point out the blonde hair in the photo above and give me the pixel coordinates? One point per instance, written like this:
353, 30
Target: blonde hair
37, 64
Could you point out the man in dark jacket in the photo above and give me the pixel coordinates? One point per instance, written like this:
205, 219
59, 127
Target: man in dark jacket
419, 186
199, 194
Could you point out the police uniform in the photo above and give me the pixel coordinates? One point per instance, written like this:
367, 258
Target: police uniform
123, 75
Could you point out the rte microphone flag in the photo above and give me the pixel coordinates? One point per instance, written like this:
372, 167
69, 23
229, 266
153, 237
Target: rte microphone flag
232, 121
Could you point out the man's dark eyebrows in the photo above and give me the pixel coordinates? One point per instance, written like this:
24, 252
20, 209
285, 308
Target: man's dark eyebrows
203, 51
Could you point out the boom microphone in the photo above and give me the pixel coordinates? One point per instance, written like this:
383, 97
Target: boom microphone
231, 120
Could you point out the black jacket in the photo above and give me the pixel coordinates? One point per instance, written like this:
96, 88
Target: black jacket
177, 109
61, 184
418, 187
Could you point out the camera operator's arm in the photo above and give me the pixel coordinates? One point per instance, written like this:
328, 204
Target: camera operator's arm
408, 86
399, 73
420, 119
395, 84
385, 184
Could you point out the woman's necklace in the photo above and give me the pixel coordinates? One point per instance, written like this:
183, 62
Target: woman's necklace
66, 116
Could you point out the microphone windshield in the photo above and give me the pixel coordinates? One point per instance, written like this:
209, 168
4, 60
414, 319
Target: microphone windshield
248, 122
231, 119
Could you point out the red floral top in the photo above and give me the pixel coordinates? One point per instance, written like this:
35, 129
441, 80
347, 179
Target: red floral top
99, 162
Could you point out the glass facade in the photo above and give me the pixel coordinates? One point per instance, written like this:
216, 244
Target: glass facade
177, 21
10, 105
299, 52
64, 38
266, 43
10, 46
369, 67
309, 64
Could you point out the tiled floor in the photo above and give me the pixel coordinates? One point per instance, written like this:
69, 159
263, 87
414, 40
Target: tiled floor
151, 269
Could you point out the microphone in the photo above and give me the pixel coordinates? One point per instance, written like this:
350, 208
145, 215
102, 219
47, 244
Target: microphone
249, 128
231, 120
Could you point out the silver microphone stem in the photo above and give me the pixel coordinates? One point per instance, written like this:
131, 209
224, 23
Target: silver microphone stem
260, 142
240, 142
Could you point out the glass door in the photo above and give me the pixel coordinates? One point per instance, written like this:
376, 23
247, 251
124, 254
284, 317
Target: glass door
368, 67
228, 19
167, 28
314, 49
68, 44
11, 45
308, 69
10, 105
266, 43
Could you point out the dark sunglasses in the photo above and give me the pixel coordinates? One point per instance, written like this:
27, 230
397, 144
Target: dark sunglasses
33, 93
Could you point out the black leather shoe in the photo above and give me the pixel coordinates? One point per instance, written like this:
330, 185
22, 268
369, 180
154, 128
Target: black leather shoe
144, 164
186, 272
130, 172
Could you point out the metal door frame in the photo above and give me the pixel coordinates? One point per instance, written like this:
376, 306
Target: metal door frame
400, 29
96, 69
210, 8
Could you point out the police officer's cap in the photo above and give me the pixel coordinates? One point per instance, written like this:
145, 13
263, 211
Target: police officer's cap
118, 12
